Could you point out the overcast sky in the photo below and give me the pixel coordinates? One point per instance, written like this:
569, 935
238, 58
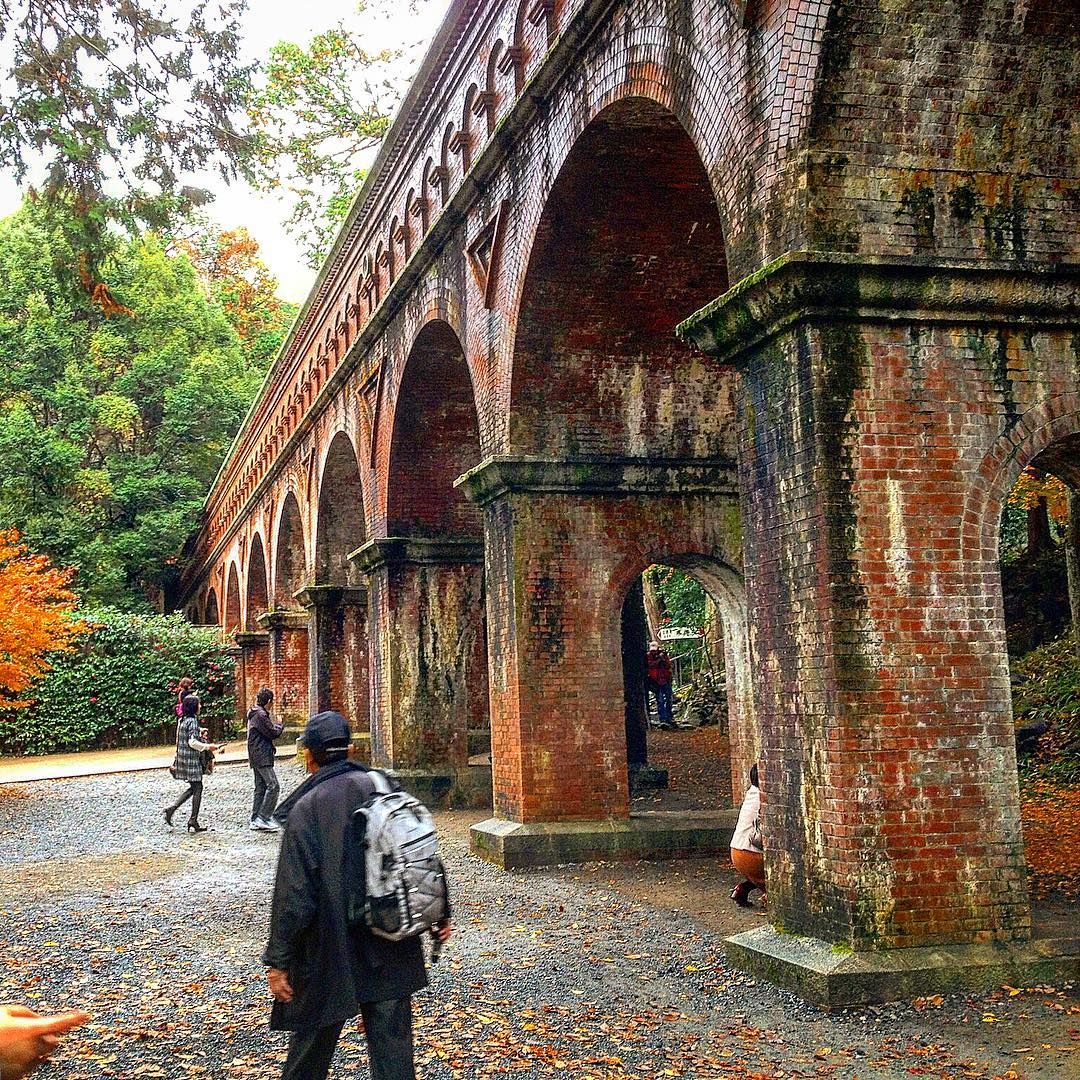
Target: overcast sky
269, 21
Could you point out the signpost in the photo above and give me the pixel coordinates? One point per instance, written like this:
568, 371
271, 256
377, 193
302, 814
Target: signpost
678, 633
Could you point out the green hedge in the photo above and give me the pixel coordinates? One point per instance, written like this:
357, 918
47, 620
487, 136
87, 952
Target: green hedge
118, 688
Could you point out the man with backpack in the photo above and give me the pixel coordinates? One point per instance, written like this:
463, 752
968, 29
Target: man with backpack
333, 950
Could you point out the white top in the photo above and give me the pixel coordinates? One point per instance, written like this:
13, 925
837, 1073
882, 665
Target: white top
747, 835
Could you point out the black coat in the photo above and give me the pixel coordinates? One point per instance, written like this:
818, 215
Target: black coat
332, 968
261, 733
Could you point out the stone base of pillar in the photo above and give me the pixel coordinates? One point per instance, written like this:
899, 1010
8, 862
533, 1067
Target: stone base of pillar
647, 778
467, 788
834, 978
663, 835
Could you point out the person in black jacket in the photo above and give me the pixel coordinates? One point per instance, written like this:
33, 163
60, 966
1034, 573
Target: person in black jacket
321, 971
261, 733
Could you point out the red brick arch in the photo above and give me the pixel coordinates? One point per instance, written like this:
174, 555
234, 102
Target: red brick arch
629, 244
290, 552
232, 600
257, 593
435, 438
1052, 423
340, 522
211, 614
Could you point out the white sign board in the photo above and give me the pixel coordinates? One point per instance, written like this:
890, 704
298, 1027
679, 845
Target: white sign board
678, 633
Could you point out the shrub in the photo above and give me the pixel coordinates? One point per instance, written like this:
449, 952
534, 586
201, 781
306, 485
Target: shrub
1047, 687
118, 687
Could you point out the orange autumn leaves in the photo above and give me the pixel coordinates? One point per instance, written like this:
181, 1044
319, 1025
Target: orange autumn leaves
36, 606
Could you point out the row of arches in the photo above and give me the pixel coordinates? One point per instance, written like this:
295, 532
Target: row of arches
597, 375
629, 243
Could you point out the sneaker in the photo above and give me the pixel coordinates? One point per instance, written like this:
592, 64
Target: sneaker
266, 825
255, 826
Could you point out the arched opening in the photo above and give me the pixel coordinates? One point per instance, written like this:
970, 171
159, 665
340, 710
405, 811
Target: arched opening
339, 605
257, 591
436, 438
629, 244
641, 435
340, 527
212, 616
1039, 558
430, 589
290, 559
232, 601
684, 626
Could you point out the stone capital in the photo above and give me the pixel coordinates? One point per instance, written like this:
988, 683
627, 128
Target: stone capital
419, 551
508, 475
332, 596
283, 620
827, 287
249, 639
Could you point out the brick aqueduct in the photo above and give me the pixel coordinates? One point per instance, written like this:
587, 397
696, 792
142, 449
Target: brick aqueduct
484, 424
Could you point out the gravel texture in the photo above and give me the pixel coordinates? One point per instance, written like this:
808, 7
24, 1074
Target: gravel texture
599, 971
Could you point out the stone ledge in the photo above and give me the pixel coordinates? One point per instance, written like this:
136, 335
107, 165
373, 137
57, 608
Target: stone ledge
835, 978
826, 287
420, 551
509, 474
662, 835
332, 596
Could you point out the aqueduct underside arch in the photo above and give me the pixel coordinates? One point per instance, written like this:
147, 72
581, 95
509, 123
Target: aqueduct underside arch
888, 320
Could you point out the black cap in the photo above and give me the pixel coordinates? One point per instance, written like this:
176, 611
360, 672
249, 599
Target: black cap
327, 731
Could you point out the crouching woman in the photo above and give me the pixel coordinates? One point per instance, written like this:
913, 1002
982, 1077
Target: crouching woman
747, 848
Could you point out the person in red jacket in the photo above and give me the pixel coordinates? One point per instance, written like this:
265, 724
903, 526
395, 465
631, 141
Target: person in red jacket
658, 681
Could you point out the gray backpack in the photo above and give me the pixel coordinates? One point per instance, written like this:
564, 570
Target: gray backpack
398, 887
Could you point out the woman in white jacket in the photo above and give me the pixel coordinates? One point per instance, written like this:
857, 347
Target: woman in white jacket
747, 848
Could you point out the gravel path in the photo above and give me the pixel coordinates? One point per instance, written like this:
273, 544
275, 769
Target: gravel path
574, 972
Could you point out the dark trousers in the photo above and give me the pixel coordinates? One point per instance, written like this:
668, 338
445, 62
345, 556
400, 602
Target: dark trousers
388, 1025
194, 793
267, 790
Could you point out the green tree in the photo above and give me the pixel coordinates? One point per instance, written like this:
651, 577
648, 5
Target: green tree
109, 108
112, 428
318, 111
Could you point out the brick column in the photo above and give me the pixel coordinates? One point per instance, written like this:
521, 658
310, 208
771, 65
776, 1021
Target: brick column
428, 653
338, 650
289, 665
565, 541
888, 405
253, 669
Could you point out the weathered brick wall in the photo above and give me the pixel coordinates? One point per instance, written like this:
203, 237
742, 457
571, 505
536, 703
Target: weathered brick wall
255, 671
290, 672
348, 666
431, 662
945, 128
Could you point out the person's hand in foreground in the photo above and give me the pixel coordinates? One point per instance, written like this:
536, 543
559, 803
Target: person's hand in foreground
27, 1039
279, 985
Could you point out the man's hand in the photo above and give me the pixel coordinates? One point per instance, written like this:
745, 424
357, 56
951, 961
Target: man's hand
27, 1039
279, 985
442, 931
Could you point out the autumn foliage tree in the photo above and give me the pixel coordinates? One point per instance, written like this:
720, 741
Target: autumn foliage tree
37, 601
